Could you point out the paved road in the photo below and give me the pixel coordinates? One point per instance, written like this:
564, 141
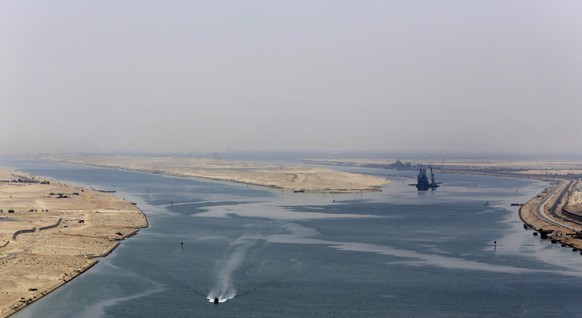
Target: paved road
558, 193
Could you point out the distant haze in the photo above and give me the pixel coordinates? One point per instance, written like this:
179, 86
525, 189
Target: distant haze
182, 76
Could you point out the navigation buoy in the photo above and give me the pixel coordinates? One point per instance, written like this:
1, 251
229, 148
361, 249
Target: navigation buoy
216, 300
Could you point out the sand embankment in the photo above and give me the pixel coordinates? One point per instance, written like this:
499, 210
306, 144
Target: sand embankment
557, 213
51, 232
311, 179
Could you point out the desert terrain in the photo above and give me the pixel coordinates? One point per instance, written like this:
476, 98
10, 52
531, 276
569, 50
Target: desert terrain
309, 179
74, 225
51, 232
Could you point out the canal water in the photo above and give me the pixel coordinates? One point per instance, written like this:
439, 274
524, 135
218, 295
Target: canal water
273, 253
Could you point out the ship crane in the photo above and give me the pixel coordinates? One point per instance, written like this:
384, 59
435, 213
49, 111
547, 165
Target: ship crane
422, 182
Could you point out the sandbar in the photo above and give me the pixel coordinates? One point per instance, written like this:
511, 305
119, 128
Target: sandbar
308, 179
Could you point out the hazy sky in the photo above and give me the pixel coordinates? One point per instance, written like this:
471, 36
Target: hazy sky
445, 76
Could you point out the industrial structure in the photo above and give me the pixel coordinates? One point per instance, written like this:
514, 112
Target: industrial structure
422, 182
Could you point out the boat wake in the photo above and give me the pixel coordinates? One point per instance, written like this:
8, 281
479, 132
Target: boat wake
224, 288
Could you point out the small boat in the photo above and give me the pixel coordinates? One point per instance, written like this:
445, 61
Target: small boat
216, 300
299, 191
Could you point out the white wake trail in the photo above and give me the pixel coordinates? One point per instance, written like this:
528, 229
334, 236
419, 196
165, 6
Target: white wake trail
224, 288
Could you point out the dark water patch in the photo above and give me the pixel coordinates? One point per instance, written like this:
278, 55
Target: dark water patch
202, 206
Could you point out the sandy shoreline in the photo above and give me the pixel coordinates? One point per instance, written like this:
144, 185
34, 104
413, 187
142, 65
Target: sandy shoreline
557, 213
51, 232
75, 225
308, 179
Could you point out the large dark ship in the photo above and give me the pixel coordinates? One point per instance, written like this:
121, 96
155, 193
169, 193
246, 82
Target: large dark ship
422, 182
